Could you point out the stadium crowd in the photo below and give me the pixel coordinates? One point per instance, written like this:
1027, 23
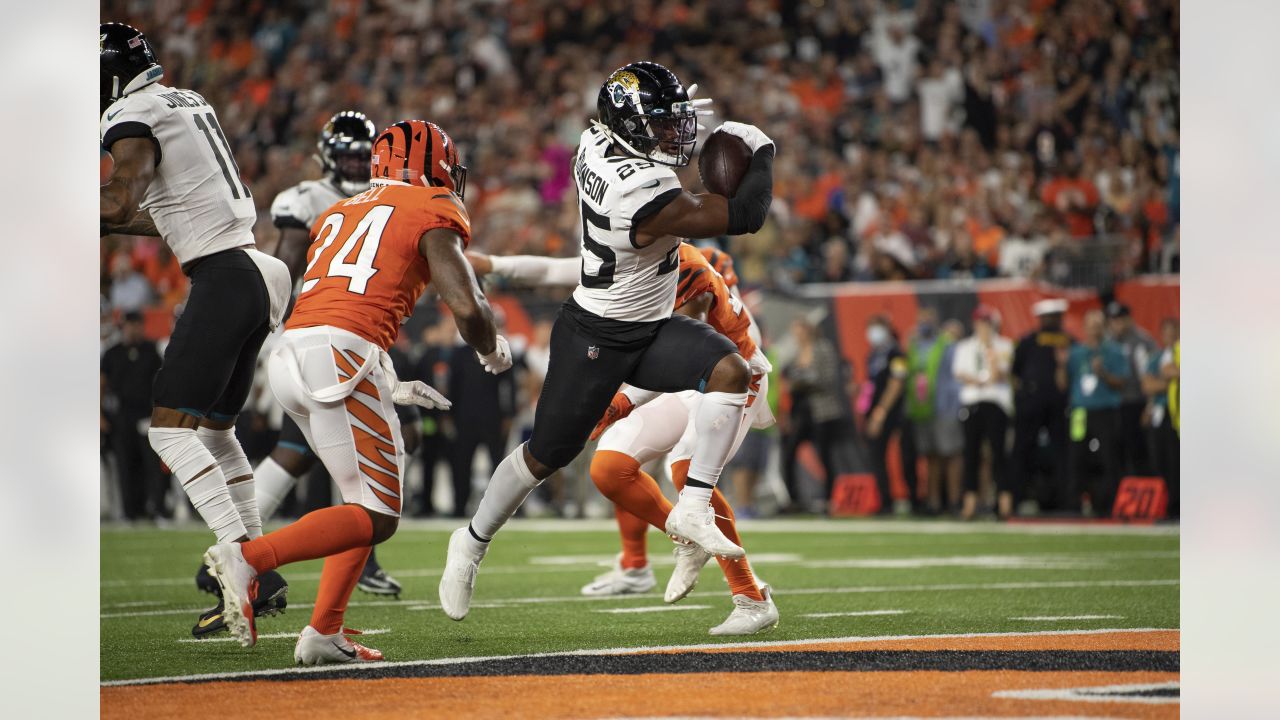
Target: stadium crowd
919, 139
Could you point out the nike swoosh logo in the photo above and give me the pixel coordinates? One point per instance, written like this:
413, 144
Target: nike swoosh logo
349, 653
653, 184
206, 622
112, 116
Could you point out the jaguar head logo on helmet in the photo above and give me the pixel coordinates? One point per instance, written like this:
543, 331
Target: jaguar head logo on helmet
417, 152
343, 150
127, 62
646, 111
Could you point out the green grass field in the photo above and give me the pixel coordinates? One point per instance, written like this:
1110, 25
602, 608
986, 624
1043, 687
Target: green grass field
935, 577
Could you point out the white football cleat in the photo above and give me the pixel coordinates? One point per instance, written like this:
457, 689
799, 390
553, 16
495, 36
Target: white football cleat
316, 649
698, 526
689, 562
749, 616
239, 583
621, 581
458, 581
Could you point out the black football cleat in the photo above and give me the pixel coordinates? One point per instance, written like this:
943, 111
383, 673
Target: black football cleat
206, 583
375, 581
272, 600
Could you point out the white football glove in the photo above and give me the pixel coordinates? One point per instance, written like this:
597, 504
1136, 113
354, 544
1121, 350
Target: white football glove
750, 134
498, 361
421, 394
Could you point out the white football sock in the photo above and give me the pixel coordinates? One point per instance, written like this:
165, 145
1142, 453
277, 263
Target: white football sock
187, 457
511, 483
273, 484
717, 419
225, 449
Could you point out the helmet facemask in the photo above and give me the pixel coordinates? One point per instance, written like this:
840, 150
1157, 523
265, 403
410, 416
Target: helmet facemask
664, 136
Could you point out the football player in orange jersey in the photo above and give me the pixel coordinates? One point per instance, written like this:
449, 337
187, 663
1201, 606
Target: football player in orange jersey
370, 259
660, 425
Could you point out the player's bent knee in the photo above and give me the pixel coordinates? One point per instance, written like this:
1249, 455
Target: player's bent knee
541, 470
610, 469
731, 374
384, 526
295, 463
226, 450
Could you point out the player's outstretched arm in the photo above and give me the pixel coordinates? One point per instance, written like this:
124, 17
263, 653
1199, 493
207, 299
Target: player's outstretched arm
459, 289
135, 166
527, 269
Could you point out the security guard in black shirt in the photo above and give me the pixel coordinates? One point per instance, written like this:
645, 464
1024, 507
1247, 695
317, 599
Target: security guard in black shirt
1040, 402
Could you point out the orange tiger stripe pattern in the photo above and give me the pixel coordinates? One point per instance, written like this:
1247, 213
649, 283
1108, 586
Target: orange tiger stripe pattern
376, 451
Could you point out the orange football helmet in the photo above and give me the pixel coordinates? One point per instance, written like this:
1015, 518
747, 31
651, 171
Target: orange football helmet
420, 153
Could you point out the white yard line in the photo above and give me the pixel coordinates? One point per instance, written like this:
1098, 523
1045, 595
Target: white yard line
949, 587
653, 609
322, 669
855, 613
1055, 618
274, 636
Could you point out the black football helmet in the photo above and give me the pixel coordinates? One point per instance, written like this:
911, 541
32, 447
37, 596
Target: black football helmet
127, 61
645, 110
344, 148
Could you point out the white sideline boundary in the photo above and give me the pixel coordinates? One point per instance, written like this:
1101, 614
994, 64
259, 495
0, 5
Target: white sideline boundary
324, 669
946, 587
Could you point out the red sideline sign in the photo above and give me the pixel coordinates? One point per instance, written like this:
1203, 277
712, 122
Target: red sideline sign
855, 494
1141, 499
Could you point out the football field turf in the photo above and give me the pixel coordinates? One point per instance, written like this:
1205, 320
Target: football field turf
1013, 608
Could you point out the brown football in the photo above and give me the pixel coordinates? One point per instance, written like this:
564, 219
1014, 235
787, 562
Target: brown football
723, 162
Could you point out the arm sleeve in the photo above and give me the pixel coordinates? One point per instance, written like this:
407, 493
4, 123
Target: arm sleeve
749, 206
535, 270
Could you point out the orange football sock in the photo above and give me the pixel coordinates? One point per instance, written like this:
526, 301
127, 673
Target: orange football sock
619, 478
737, 572
337, 580
635, 552
318, 534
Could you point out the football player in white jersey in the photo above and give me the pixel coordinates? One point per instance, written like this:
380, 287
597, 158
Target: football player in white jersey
174, 176
343, 153
618, 326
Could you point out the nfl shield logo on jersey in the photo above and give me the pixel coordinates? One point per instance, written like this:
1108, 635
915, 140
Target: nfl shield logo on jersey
593, 352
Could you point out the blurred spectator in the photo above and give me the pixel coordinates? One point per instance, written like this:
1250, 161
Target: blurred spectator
982, 365
1158, 380
1022, 251
431, 367
1096, 373
1138, 348
932, 408
1039, 374
817, 405
483, 407
882, 400
130, 291
128, 370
